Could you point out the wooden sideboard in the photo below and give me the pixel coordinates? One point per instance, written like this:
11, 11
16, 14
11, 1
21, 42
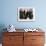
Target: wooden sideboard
23, 38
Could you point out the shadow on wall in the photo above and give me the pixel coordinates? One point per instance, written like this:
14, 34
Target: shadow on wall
2, 26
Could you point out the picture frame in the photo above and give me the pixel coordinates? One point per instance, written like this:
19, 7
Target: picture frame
26, 14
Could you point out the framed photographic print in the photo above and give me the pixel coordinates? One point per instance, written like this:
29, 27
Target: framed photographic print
26, 14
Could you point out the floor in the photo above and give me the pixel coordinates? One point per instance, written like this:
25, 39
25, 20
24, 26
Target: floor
0, 44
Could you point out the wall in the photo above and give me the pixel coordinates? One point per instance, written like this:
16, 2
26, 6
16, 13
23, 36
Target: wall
9, 13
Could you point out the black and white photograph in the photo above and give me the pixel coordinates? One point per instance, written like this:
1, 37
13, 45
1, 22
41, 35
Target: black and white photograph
26, 14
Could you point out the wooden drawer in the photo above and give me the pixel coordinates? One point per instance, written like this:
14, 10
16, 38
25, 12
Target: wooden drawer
37, 45
33, 39
12, 44
13, 33
37, 39
34, 33
12, 39
27, 41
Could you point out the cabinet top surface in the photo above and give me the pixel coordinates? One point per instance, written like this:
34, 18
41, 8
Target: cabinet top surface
22, 30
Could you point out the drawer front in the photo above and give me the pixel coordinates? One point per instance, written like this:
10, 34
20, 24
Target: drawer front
10, 39
37, 45
13, 40
33, 39
34, 33
13, 33
37, 39
27, 41
12, 45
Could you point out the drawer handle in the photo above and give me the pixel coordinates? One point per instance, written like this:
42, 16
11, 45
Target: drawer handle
33, 39
11, 38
